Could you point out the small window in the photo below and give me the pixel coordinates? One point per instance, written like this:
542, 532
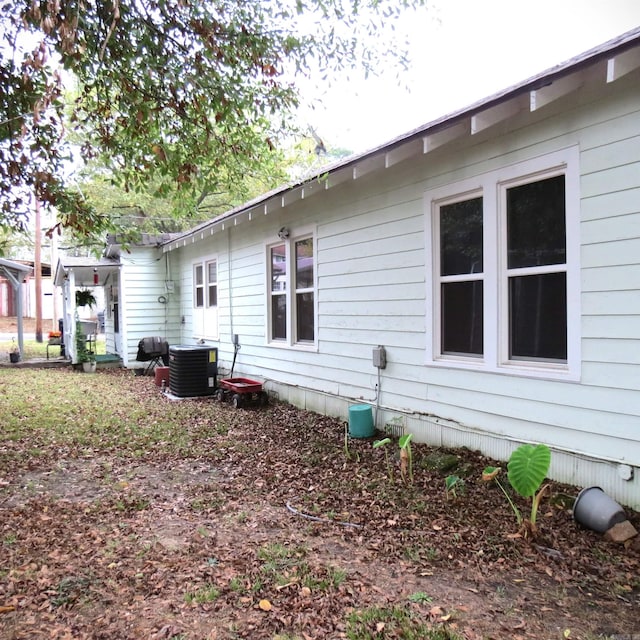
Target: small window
198, 286
212, 283
305, 325
279, 292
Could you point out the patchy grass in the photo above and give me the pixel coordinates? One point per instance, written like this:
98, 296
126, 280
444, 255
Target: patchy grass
34, 350
204, 594
382, 623
79, 414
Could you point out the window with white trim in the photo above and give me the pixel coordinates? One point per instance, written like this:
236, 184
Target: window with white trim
460, 290
535, 269
205, 299
505, 270
291, 292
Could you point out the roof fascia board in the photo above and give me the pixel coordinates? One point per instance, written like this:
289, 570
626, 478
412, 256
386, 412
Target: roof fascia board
543, 96
624, 63
481, 115
443, 136
15, 266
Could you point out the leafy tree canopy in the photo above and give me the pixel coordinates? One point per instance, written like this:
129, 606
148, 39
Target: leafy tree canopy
189, 96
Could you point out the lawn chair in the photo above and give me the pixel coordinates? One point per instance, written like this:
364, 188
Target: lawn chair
153, 350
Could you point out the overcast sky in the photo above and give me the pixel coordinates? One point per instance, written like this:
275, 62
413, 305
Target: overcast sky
462, 51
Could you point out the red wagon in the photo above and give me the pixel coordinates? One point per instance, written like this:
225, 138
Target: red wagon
241, 391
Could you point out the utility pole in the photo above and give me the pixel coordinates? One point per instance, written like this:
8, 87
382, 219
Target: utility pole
38, 273
54, 264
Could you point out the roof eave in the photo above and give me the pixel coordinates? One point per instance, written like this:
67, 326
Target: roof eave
370, 159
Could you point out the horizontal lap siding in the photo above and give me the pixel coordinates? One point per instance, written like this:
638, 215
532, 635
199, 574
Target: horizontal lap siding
601, 411
143, 278
371, 288
599, 414
371, 271
610, 234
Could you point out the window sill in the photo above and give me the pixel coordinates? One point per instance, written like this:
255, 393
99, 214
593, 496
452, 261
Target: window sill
529, 370
299, 346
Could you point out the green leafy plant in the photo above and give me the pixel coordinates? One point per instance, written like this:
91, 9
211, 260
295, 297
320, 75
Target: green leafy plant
382, 443
85, 298
526, 470
420, 597
406, 458
82, 353
452, 485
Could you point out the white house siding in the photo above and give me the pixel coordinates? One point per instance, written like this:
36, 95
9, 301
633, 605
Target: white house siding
371, 288
143, 278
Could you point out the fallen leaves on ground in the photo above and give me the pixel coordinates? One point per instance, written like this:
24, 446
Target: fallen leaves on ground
258, 526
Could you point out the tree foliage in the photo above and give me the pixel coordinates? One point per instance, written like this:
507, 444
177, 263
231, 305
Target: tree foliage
188, 96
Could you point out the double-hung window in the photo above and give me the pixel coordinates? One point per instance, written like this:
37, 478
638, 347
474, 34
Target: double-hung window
291, 292
461, 275
535, 270
504, 285
205, 299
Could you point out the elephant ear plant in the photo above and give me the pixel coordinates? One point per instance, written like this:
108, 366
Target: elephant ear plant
526, 470
382, 443
406, 458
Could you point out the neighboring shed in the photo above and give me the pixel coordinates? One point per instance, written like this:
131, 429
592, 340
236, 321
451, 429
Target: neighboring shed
494, 253
50, 299
16, 273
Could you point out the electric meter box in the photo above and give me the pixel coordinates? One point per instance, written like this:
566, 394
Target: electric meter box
380, 357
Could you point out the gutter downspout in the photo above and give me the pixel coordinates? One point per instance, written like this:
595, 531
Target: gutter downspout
230, 285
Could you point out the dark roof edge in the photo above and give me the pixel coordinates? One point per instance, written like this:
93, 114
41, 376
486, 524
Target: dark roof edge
615, 46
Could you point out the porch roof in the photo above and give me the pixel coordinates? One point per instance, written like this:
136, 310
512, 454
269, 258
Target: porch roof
16, 269
84, 270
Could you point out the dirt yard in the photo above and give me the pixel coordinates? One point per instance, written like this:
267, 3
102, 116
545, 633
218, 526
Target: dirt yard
264, 524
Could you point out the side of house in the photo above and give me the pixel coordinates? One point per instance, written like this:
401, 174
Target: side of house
141, 302
495, 257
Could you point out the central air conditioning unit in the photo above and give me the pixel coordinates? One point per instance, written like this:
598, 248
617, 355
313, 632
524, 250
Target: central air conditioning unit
193, 370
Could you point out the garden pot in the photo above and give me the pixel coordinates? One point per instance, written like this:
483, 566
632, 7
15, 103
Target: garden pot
595, 510
361, 421
14, 357
89, 367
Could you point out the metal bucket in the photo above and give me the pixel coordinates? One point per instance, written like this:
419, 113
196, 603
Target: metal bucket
595, 510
